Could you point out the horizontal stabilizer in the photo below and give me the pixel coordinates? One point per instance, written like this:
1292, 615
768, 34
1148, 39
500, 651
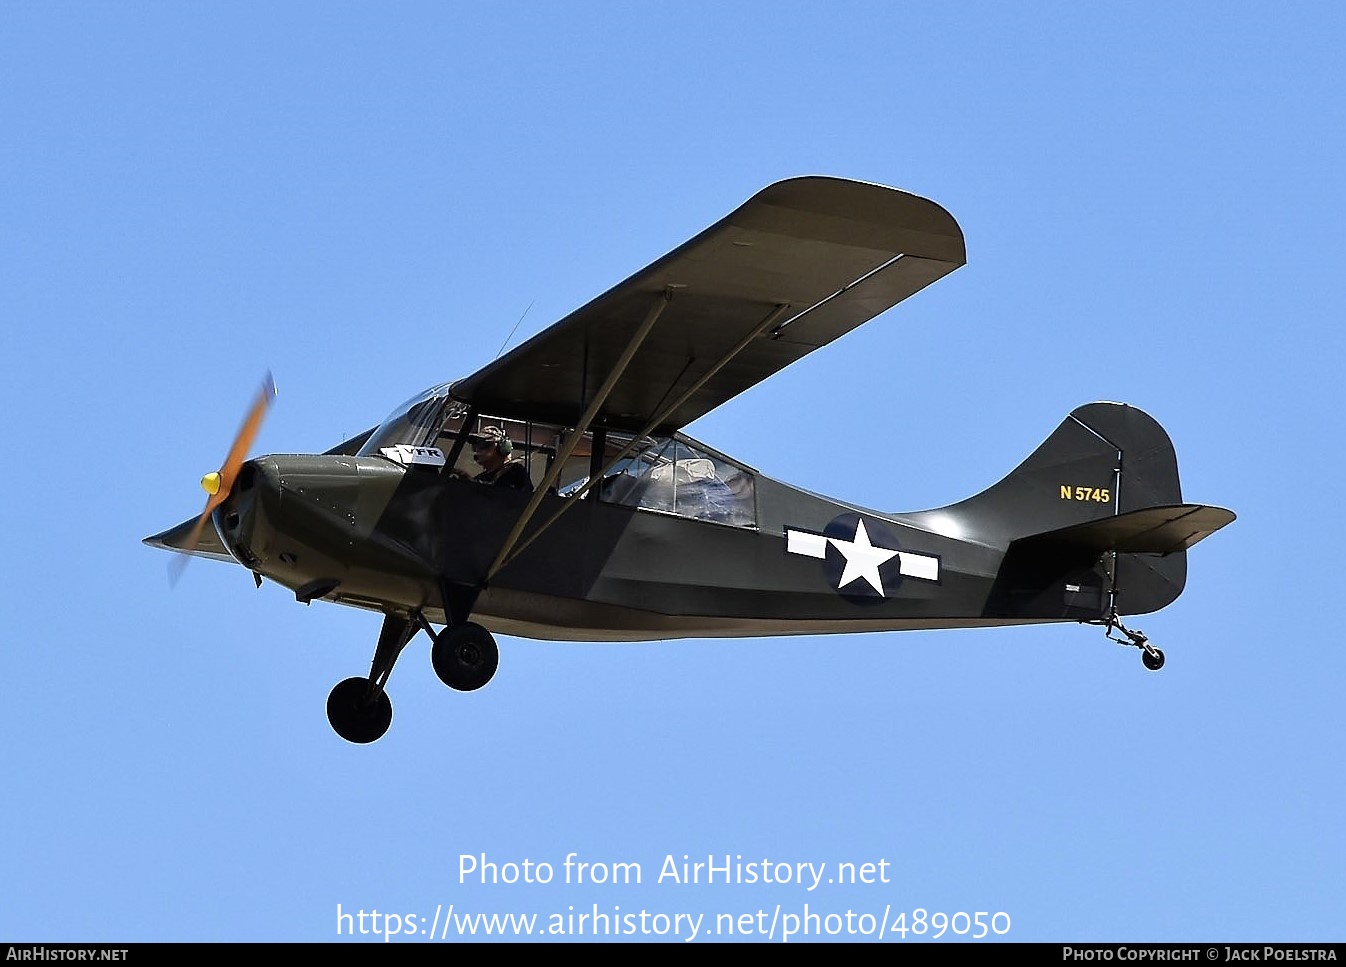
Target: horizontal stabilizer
1153, 530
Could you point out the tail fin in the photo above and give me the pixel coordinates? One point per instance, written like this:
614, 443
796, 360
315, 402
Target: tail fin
1104, 459
1093, 519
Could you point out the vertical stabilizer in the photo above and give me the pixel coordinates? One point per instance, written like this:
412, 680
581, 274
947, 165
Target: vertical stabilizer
1072, 518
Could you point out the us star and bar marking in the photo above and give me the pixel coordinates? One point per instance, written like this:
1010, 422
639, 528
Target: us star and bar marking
862, 558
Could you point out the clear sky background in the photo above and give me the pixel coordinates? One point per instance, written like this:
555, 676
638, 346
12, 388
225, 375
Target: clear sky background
365, 198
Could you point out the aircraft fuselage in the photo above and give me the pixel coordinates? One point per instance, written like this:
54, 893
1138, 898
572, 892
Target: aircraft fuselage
366, 532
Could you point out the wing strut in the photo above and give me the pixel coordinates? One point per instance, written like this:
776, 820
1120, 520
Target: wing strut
656, 310
594, 478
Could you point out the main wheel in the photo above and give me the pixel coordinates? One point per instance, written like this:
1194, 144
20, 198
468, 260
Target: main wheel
465, 656
353, 716
1153, 661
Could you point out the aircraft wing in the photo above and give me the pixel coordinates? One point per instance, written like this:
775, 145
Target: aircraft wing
176, 539
348, 448
799, 264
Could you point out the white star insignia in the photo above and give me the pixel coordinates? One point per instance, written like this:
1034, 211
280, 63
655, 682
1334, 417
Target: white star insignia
863, 558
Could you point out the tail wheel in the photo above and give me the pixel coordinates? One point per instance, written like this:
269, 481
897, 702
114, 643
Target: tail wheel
1152, 658
465, 656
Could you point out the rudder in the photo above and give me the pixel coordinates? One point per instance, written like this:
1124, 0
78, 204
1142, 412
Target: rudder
1104, 459
1105, 462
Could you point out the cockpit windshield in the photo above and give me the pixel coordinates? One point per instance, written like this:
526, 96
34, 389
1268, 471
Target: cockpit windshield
417, 422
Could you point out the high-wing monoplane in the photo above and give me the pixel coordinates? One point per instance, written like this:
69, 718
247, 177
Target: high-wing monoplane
603, 521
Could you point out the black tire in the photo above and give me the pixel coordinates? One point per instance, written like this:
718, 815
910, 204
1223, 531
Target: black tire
1154, 661
465, 657
353, 716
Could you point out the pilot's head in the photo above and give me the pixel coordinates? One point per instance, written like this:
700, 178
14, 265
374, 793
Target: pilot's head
491, 447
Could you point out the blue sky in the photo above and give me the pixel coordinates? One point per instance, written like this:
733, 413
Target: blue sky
365, 198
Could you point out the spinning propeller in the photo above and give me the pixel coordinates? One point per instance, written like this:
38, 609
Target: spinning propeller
219, 483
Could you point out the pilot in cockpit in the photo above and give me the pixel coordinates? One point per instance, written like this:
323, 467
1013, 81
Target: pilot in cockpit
491, 449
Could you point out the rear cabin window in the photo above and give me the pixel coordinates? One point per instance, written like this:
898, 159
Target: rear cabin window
676, 476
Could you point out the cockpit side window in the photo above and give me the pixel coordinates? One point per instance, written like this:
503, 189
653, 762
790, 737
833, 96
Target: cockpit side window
673, 475
668, 475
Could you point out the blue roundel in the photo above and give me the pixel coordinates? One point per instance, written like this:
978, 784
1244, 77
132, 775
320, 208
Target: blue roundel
862, 552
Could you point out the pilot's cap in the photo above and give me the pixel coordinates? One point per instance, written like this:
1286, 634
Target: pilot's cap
492, 436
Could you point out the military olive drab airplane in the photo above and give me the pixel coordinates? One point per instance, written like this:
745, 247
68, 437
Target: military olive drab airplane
632, 531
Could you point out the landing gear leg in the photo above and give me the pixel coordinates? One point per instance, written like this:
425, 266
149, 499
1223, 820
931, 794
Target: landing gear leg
359, 709
1150, 656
